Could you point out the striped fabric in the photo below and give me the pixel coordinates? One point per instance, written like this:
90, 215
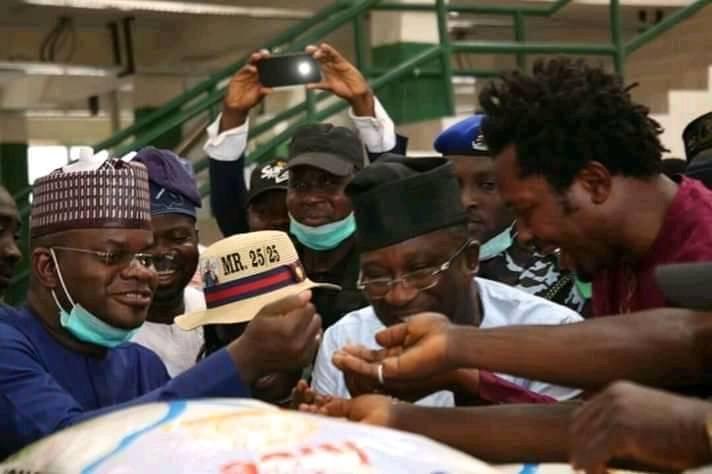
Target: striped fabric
254, 285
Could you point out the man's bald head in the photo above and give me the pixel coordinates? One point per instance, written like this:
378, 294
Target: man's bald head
9, 236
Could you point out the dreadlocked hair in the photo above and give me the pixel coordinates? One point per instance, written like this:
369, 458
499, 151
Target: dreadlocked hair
566, 114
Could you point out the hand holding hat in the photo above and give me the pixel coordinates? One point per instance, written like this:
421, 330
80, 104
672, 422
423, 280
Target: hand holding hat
258, 277
284, 335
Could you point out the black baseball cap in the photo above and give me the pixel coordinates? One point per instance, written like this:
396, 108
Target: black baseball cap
336, 150
686, 285
267, 177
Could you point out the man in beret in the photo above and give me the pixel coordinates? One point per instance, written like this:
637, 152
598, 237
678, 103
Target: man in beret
417, 255
9, 233
174, 199
502, 257
625, 423
66, 357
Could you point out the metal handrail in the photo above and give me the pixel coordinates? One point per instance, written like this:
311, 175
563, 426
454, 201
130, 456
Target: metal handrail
342, 12
288, 36
529, 10
664, 25
520, 47
195, 136
336, 21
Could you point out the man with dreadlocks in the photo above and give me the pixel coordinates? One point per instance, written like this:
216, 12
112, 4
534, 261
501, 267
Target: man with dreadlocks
580, 164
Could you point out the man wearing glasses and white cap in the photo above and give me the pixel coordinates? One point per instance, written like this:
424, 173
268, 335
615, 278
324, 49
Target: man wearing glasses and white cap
66, 357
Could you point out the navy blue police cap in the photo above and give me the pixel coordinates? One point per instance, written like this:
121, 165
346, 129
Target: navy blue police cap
463, 138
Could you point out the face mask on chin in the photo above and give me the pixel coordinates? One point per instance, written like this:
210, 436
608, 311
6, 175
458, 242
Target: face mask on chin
496, 245
83, 325
323, 237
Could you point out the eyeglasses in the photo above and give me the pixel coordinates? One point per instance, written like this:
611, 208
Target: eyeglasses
116, 258
423, 279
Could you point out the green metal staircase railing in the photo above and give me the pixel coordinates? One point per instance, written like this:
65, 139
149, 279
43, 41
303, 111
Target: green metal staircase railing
206, 96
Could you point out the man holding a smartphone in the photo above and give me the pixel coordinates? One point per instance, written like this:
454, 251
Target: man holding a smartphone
227, 135
325, 244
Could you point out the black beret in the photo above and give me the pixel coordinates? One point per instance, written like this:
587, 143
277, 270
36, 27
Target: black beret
397, 198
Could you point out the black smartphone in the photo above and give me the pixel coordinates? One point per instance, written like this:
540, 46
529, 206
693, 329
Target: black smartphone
288, 70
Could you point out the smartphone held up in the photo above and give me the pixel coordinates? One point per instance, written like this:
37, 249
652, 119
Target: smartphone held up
288, 70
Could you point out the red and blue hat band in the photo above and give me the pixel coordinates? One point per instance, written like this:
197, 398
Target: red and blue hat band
253, 285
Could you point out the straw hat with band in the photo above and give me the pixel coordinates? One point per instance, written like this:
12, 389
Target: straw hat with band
243, 273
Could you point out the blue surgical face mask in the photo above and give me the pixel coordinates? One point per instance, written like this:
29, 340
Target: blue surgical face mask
497, 244
83, 325
323, 237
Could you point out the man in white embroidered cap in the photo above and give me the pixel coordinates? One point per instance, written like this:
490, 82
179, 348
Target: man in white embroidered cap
67, 357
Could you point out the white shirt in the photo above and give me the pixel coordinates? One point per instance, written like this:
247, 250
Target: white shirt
178, 349
502, 305
377, 134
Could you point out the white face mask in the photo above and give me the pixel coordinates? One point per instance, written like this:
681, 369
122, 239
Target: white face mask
497, 244
83, 325
323, 237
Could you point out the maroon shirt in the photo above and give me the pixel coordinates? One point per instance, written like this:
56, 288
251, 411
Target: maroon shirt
686, 236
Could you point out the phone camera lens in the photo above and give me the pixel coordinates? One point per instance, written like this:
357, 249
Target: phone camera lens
304, 68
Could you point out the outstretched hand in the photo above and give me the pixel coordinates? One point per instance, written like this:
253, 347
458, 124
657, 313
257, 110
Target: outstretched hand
303, 394
414, 350
376, 410
408, 390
